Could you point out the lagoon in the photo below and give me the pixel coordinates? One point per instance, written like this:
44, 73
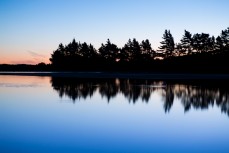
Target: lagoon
73, 114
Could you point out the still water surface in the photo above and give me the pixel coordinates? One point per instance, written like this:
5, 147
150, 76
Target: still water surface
45, 114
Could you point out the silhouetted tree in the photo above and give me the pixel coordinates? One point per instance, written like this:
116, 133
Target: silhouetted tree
57, 58
126, 52
146, 46
211, 43
225, 38
201, 42
179, 50
87, 51
146, 50
167, 44
73, 48
186, 43
197, 42
219, 44
109, 51
136, 53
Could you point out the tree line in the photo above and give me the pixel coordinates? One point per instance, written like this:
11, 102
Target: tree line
193, 51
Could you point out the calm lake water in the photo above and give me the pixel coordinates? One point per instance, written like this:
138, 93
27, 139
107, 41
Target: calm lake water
45, 114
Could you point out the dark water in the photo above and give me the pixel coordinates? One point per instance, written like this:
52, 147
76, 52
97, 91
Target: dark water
44, 114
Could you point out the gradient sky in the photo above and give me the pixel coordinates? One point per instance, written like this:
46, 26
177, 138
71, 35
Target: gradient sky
30, 30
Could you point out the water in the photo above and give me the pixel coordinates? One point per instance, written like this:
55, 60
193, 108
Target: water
44, 114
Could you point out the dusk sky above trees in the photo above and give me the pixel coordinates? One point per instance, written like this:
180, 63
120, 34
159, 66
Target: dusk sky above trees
31, 30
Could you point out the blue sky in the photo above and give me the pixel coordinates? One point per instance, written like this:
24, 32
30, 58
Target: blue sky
31, 30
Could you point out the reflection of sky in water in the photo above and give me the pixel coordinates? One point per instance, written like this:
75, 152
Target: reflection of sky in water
37, 120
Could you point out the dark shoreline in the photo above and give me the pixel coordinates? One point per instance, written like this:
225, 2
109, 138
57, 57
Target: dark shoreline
131, 75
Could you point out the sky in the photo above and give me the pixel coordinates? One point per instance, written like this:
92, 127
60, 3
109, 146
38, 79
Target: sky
30, 30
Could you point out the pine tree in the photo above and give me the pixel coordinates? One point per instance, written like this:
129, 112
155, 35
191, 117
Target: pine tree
219, 44
109, 51
146, 49
136, 53
126, 51
200, 42
225, 38
211, 43
167, 44
57, 58
186, 43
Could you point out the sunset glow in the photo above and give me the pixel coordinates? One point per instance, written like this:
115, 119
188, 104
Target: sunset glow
25, 58
32, 30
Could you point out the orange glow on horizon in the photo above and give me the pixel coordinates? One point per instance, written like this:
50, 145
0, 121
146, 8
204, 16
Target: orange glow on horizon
23, 59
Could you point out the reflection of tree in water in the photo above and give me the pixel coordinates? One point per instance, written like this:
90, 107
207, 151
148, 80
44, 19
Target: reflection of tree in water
223, 101
73, 88
168, 96
197, 95
108, 88
135, 89
202, 96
